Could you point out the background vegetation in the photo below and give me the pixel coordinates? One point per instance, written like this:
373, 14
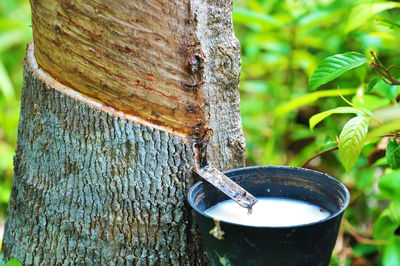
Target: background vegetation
15, 32
282, 42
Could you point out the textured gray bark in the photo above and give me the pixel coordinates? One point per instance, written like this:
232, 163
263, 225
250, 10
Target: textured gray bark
221, 76
93, 188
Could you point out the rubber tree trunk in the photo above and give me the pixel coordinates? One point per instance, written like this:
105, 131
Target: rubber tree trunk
105, 139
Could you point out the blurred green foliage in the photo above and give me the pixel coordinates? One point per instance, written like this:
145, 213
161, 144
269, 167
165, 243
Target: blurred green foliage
282, 43
15, 32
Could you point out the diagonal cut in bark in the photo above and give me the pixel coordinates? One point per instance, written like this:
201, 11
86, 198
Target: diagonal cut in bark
137, 59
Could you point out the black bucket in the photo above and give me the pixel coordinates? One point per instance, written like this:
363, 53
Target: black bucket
309, 245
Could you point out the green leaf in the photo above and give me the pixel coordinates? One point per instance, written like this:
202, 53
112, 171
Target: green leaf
328, 143
363, 12
386, 90
365, 177
351, 140
393, 153
364, 249
317, 17
6, 87
370, 102
388, 221
389, 185
254, 5
394, 211
245, 16
13, 262
308, 99
334, 66
372, 84
266, 42
305, 60
254, 86
11, 38
387, 114
391, 253
387, 22
315, 119
6, 156
381, 162
5, 192
384, 129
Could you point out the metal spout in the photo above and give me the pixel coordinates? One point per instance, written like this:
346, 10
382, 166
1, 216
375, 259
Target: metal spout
227, 186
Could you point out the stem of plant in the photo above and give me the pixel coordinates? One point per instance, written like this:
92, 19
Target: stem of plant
355, 106
318, 154
383, 72
360, 239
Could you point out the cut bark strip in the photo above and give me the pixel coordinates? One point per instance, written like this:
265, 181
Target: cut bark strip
45, 77
141, 58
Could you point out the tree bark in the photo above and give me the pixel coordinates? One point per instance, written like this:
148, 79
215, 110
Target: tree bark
97, 184
221, 78
92, 188
142, 58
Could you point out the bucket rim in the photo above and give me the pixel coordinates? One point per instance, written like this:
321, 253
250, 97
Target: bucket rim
320, 174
